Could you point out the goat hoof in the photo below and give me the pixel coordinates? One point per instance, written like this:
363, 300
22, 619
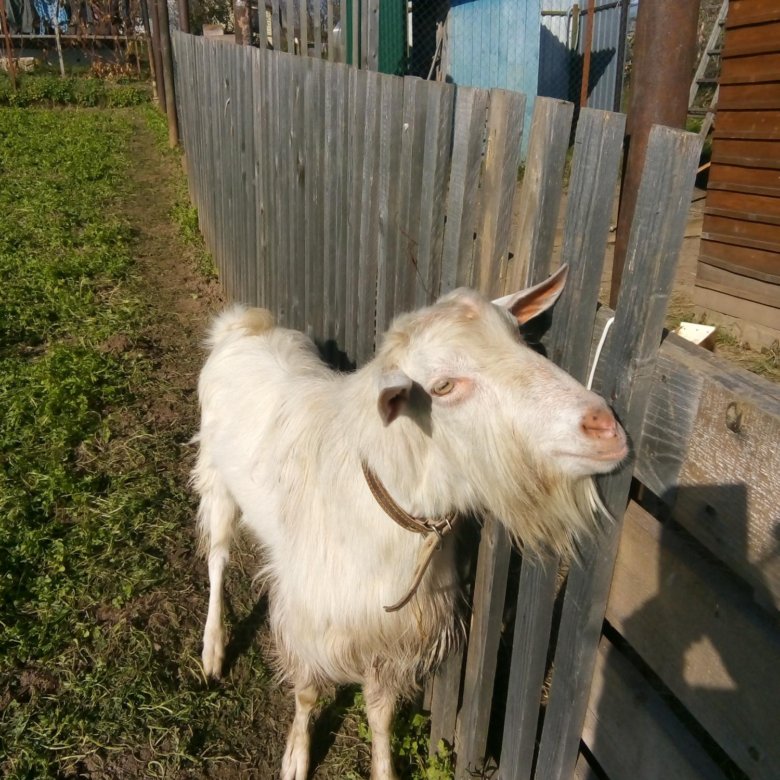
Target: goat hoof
213, 656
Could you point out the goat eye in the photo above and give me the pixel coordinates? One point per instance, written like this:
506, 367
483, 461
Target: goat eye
443, 387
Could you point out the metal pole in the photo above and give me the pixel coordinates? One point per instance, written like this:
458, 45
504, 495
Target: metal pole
589, 25
664, 56
9, 47
166, 52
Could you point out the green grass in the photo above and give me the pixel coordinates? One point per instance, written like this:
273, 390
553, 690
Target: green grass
94, 660
45, 89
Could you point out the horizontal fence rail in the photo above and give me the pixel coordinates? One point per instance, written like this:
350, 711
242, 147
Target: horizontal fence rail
338, 198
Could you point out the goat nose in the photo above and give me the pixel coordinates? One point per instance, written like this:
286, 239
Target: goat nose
599, 423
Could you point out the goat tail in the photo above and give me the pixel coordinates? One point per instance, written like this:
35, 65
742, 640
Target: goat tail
239, 319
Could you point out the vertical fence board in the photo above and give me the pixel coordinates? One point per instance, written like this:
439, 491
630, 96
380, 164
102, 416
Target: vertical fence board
598, 148
656, 235
369, 222
258, 128
329, 37
355, 151
289, 25
316, 29
440, 105
499, 179
249, 171
296, 216
412, 156
595, 164
390, 132
314, 133
540, 193
276, 25
303, 22
457, 266
282, 255
482, 652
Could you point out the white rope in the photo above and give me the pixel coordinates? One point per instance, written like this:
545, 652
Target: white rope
600, 347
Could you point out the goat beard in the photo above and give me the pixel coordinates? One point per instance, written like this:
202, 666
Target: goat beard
545, 513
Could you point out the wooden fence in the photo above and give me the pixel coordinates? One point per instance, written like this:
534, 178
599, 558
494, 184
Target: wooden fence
337, 198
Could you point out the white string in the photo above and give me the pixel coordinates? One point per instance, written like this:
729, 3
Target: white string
600, 346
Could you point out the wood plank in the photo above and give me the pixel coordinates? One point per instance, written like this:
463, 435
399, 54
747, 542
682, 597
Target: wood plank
713, 649
749, 96
714, 278
739, 317
482, 651
369, 222
390, 133
759, 235
439, 110
751, 311
444, 700
329, 39
283, 181
289, 25
750, 12
752, 125
742, 260
316, 29
499, 179
728, 176
358, 86
314, 133
263, 166
334, 200
598, 149
296, 216
303, 26
741, 205
276, 25
631, 731
655, 240
753, 154
751, 69
468, 137
540, 193
413, 149
370, 22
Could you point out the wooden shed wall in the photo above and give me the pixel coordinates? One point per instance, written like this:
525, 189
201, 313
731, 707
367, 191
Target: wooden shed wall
738, 275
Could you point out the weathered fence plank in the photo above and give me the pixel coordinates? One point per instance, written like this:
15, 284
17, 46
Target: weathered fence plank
540, 193
440, 105
369, 223
623, 702
502, 159
468, 140
410, 186
656, 236
718, 648
390, 132
276, 25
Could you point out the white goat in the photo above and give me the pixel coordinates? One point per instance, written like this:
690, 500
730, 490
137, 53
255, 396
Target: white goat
455, 414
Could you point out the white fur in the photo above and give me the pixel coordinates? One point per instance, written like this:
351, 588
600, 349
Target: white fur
281, 443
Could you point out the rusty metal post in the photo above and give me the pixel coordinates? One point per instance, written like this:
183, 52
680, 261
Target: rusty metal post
590, 23
664, 57
184, 15
166, 52
243, 26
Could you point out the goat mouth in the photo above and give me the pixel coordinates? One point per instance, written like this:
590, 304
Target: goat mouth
614, 455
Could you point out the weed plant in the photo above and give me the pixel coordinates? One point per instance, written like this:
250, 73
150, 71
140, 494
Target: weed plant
49, 90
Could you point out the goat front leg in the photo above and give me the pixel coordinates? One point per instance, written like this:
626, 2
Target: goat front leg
295, 764
380, 707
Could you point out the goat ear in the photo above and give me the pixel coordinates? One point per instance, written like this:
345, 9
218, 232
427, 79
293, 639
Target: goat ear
530, 303
394, 389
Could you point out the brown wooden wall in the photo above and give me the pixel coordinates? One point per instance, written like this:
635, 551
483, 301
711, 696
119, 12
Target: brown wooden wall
739, 265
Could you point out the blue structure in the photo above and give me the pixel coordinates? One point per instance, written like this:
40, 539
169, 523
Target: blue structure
495, 43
